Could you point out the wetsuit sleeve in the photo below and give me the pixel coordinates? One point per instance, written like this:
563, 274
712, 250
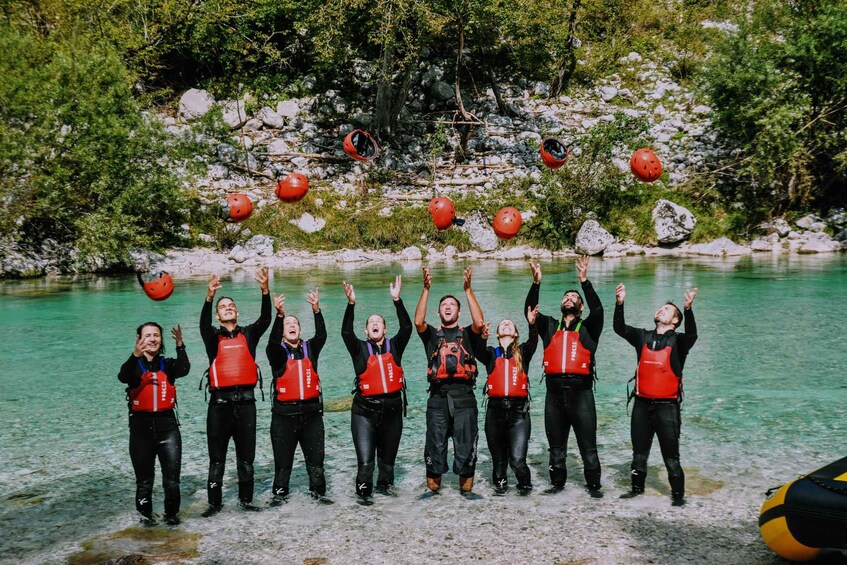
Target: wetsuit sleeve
474, 340
347, 332
634, 336
179, 367
531, 297
274, 350
256, 329
207, 332
427, 336
317, 342
687, 339
403, 334
129, 373
489, 357
594, 321
482, 351
529, 346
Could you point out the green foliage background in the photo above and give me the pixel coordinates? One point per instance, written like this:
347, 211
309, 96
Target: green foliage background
81, 164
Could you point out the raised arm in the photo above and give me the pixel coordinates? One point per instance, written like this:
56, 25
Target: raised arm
618, 324
317, 342
531, 344
180, 366
207, 332
477, 318
420, 310
690, 335
348, 334
594, 320
532, 295
404, 332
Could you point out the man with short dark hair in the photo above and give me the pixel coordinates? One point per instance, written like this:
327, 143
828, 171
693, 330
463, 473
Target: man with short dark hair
451, 409
232, 376
658, 388
570, 343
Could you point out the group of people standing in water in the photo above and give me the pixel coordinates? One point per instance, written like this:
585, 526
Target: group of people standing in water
454, 356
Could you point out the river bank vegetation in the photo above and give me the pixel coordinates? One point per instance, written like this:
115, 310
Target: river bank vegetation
82, 165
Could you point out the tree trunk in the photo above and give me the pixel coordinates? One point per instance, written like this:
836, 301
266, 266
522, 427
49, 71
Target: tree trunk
492, 81
460, 106
566, 69
462, 115
381, 123
400, 95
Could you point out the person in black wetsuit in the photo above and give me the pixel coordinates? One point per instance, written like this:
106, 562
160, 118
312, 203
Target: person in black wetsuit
451, 409
232, 378
570, 343
376, 418
661, 356
507, 420
150, 380
297, 412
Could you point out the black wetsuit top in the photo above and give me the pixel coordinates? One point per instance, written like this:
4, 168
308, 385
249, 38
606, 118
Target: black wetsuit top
358, 348
638, 337
590, 330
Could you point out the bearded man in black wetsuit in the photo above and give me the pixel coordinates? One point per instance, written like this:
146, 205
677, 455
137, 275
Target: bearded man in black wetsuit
658, 388
451, 409
570, 343
232, 376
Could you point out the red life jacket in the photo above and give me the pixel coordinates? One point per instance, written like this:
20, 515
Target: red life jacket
566, 355
507, 379
382, 374
299, 381
655, 377
233, 365
154, 393
451, 360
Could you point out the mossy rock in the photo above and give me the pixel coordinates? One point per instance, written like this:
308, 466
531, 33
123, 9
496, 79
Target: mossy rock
138, 546
338, 404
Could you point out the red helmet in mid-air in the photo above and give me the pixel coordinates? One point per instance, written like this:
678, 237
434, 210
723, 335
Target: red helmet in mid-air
554, 152
645, 165
361, 145
507, 222
236, 208
292, 188
157, 286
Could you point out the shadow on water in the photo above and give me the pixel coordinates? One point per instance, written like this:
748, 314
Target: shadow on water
138, 545
55, 512
676, 540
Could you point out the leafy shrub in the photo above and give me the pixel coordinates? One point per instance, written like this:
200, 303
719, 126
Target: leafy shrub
79, 163
590, 184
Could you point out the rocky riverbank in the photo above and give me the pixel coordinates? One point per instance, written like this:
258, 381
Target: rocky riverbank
304, 134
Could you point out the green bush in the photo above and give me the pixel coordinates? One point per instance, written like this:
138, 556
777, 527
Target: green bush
590, 185
79, 163
778, 87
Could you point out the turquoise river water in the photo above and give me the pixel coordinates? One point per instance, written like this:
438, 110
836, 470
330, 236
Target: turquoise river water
765, 402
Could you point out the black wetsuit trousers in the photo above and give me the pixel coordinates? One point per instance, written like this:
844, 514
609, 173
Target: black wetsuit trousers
507, 428
659, 418
293, 423
236, 421
376, 424
570, 404
151, 436
451, 414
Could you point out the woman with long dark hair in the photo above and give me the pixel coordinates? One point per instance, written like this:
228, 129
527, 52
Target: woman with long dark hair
153, 425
